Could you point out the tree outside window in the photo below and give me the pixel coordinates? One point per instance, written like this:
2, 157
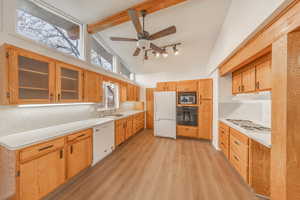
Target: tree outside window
40, 25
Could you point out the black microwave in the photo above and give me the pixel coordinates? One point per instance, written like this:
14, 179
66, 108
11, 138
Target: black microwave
187, 97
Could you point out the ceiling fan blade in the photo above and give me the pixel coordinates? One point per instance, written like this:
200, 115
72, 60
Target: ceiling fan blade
123, 39
163, 33
156, 48
133, 14
137, 51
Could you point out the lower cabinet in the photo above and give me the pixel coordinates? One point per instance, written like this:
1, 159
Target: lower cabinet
42, 175
127, 127
187, 131
79, 153
44, 167
249, 158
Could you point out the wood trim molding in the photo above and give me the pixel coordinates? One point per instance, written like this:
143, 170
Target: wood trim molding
150, 5
285, 22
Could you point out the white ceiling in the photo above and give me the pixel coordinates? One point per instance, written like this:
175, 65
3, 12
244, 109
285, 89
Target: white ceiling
198, 23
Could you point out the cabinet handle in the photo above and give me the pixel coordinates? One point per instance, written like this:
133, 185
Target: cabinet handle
51, 97
71, 150
59, 96
236, 158
61, 155
257, 85
243, 88
200, 99
239, 88
45, 148
236, 142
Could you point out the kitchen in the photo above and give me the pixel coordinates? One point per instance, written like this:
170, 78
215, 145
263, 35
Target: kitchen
188, 112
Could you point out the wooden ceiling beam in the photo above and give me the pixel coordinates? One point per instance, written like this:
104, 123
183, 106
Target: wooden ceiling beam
150, 5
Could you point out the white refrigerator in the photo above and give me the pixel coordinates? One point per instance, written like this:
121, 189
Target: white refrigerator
165, 114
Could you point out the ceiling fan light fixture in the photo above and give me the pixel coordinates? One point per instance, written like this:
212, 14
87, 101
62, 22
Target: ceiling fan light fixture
157, 55
176, 51
165, 54
143, 44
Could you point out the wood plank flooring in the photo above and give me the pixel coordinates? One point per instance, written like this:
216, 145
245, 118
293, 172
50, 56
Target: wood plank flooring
151, 168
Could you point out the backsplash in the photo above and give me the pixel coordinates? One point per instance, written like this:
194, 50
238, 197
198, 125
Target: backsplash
256, 111
14, 119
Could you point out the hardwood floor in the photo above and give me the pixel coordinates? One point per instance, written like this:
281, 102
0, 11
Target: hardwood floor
151, 168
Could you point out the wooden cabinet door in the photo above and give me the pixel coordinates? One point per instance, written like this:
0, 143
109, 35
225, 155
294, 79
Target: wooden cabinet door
123, 92
150, 108
170, 86
130, 92
236, 83
129, 127
32, 78
248, 80
263, 76
205, 120
69, 83
41, 176
119, 132
205, 89
161, 86
92, 87
138, 90
187, 86
79, 156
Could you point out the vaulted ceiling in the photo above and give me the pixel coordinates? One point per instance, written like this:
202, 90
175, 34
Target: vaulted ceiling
198, 23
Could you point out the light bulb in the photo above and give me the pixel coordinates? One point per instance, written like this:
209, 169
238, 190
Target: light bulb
165, 54
157, 55
176, 52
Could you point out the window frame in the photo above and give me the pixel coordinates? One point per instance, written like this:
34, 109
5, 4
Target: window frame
116, 93
54, 11
114, 68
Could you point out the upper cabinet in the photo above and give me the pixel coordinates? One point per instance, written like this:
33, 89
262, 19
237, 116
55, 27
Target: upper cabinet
205, 89
254, 77
31, 78
248, 79
263, 74
69, 83
187, 86
93, 87
166, 86
236, 82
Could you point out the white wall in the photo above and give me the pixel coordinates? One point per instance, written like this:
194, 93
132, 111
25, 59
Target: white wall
243, 18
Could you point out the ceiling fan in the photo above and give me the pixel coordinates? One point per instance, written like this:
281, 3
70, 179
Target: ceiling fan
143, 37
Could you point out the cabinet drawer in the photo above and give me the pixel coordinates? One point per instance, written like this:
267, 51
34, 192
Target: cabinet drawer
187, 131
239, 148
80, 135
41, 149
239, 136
239, 164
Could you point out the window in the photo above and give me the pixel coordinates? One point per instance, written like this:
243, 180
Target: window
41, 25
111, 95
124, 71
100, 56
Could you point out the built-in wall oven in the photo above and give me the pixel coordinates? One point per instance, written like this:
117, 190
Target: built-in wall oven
187, 115
187, 97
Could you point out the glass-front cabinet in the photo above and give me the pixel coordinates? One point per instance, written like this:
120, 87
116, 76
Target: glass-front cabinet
32, 78
69, 83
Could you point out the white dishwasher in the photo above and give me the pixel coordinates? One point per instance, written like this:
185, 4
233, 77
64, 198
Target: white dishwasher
103, 141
